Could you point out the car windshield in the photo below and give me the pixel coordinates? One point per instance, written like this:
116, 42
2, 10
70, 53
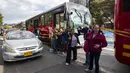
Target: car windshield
17, 35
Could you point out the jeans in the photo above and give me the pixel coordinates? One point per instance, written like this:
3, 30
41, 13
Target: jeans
96, 56
87, 58
53, 44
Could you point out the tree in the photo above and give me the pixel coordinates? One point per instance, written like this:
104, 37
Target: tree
1, 20
6, 26
102, 10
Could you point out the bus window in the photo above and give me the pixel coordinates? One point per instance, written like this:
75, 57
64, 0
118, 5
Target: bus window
62, 22
125, 5
42, 20
30, 23
57, 21
48, 18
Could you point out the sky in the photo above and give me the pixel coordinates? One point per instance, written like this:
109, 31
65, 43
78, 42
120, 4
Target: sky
15, 11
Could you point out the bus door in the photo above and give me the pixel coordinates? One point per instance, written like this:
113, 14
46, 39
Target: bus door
59, 21
35, 27
59, 15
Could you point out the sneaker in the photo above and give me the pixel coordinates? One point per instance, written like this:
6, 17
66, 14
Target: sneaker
67, 64
88, 70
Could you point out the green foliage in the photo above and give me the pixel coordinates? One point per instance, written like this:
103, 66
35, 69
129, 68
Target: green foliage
102, 9
1, 20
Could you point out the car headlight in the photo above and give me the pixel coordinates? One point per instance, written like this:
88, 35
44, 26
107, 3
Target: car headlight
7, 49
40, 45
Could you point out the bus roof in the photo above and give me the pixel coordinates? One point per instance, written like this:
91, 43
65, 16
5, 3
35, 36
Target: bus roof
64, 4
48, 11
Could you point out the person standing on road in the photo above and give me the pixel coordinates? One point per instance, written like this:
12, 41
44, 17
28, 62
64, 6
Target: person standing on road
59, 41
86, 49
73, 41
54, 40
87, 52
65, 41
96, 41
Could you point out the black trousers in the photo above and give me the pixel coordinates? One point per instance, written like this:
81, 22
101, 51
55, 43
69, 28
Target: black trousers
68, 57
96, 56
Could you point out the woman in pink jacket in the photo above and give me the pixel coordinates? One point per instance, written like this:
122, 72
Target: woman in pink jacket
96, 41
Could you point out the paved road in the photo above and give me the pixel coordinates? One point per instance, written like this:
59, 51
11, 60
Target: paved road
52, 63
108, 62
48, 63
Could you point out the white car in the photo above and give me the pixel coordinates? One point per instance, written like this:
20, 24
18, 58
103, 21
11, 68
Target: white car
20, 45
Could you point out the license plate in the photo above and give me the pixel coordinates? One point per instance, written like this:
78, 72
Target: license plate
28, 53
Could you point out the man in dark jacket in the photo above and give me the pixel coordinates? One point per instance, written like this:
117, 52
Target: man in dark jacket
85, 31
79, 30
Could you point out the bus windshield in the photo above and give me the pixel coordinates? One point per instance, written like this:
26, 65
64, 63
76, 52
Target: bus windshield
80, 15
